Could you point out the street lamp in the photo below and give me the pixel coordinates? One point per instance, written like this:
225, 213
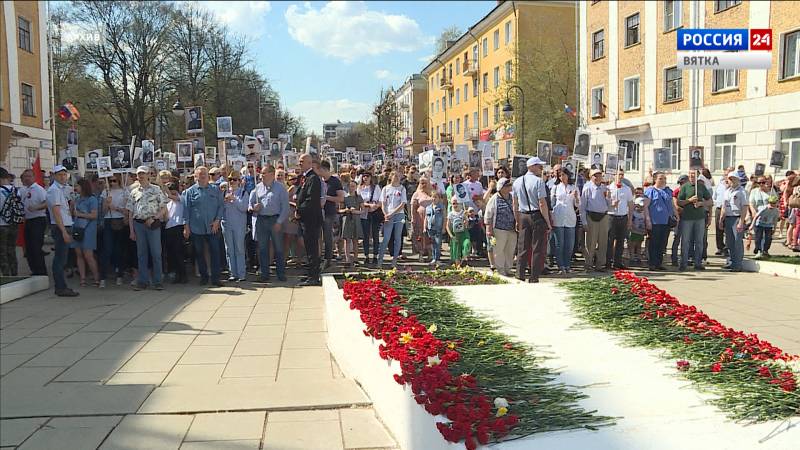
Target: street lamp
508, 110
177, 108
423, 131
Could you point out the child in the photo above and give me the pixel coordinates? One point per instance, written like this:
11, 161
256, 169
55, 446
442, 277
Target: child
351, 220
434, 226
764, 224
457, 230
475, 229
637, 231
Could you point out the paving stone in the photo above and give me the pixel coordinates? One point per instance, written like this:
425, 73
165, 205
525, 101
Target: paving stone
307, 314
130, 333
151, 362
227, 426
106, 325
306, 359
61, 399
304, 374
226, 323
71, 433
305, 340
194, 374
153, 378
120, 350
361, 429
303, 435
58, 357
271, 308
29, 377
91, 370
193, 316
57, 330
227, 445
224, 338
263, 331
184, 328
258, 347
148, 432
305, 326
304, 416
215, 354
251, 366
11, 362
236, 312
30, 345
14, 431
274, 318
163, 342
248, 380
82, 339
9, 335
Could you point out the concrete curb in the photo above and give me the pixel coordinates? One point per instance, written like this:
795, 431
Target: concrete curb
21, 288
772, 268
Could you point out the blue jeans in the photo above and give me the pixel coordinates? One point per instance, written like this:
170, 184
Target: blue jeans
394, 227
692, 234
114, 246
265, 234
658, 239
199, 241
678, 239
369, 229
436, 244
148, 244
565, 241
234, 249
734, 241
59, 257
763, 238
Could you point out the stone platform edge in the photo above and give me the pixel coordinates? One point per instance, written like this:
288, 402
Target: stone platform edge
772, 268
21, 288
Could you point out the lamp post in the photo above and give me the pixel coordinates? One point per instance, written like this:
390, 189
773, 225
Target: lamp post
508, 110
424, 131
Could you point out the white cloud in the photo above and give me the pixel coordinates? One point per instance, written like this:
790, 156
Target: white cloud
427, 58
245, 18
349, 30
317, 112
382, 74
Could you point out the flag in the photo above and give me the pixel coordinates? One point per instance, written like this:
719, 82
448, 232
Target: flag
569, 111
68, 111
37, 171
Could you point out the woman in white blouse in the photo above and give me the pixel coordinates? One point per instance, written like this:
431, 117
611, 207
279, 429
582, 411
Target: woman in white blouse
564, 198
393, 203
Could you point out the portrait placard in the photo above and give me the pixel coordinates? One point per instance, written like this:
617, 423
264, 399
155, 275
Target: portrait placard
194, 119
184, 150
611, 164
104, 169
662, 159
148, 152
120, 157
224, 127
560, 151
262, 135
626, 149
91, 159
776, 159
199, 160
597, 160
570, 165
519, 166
544, 150
582, 140
695, 157
211, 155
161, 164
760, 169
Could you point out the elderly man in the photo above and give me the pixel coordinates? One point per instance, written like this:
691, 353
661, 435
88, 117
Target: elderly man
620, 218
594, 205
202, 208
309, 212
533, 220
269, 204
718, 197
147, 207
60, 228
732, 216
693, 199
34, 197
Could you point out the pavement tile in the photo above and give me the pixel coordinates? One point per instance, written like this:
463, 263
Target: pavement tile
58, 357
304, 374
305, 326
131, 333
236, 312
11, 362
227, 426
120, 350
224, 338
151, 362
57, 330
184, 328
263, 331
271, 308
106, 325
29, 377
303, 435
165, 342
193, 316
275, 318
71, 433
148, 432
226, 323
304, 416
258, 347
227, 445
194, 374
61, 399
214, 354
30, 345
154, 378
305, 340
306, 359
251, 366
82, 339
17, 430
361, 429
11, 335
307, 314
248, 380
91, 370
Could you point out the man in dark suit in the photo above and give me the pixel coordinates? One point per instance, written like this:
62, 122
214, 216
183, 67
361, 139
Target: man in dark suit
309, 212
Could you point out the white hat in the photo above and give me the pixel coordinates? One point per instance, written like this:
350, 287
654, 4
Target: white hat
501, 183
58, 168
142, 169
535, 161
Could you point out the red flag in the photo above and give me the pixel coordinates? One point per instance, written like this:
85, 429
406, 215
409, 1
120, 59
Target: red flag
37, 172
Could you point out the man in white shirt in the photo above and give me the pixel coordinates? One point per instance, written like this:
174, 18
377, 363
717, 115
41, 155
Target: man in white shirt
718, 196
533, 220
621, 213
34, 197
61, 228
474, 189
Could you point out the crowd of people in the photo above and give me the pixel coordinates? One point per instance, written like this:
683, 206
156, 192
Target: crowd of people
217, 220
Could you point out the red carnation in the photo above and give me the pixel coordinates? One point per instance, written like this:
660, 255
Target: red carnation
716, 367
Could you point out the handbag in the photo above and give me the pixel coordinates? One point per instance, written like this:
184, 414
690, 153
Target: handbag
376, 215
78, 234
794, 201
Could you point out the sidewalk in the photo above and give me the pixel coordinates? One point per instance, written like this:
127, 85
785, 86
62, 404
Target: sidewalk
223, 368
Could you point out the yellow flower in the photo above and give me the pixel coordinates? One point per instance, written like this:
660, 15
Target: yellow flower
432, 328
451, 345
480, 343
405, 338
501, 411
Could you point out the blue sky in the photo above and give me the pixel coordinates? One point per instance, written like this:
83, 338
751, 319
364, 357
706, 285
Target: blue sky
329, 60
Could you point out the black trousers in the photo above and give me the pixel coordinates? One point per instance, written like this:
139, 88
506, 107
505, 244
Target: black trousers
34, 240
532, 238
616, 239
311, 231
174, 246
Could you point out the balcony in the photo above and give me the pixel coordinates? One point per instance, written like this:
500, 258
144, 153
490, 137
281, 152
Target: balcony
446, 138
446, 83
472, 134
403, 106
470, 68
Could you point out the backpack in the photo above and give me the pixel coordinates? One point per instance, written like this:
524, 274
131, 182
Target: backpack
13, 211
457, 222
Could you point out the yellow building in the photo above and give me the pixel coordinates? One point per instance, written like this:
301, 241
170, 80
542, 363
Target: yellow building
467, 82
24, 86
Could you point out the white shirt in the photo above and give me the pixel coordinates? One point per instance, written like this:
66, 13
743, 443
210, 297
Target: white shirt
33, 195
119, 197
622, 196
719, 193
57, 195
564, 201
392, 197
368, 196
175, 214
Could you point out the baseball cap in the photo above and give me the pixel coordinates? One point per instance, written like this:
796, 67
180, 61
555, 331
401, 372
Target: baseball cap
535, 161
595, 172
214, 170
58, 168
683, 178
501, 183
142, 169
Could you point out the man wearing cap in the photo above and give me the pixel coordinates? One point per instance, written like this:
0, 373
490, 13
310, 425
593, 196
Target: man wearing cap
734, 210
147, 207
34, 197
202, 208
678, 238
621, 216
216, 176
693, 199
60, 228
533, 220
594, 205
718, 197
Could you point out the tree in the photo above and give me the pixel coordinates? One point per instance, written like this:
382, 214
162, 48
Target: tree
450, 33
386, 124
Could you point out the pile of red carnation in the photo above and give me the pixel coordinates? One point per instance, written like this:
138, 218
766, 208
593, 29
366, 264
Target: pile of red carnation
424, 361
659, 303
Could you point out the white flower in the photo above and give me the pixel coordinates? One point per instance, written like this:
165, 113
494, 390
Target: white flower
433, 328
500, 402
434, 360
403, 312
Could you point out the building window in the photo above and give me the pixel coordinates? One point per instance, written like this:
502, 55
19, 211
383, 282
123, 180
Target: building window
438, 133
724, 151
722, 5
597, 102
458, 66
598, 38
475, 52
485, 117
725, 79
24, 27
485, 44
495, 149
496, 77
475, 120
450, 128
508, 32
672, 14
509, 148
633, 163
632, 30
458, 126
432, 110
437, 105
673, 84
790, 146
496, 39
458, 96
496, 114
485, 82
431, 83
674, 145
631, 93
466, 122
28, 108
444, 103
466, 91
790, 52
509, 74
450, 100
474, 88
